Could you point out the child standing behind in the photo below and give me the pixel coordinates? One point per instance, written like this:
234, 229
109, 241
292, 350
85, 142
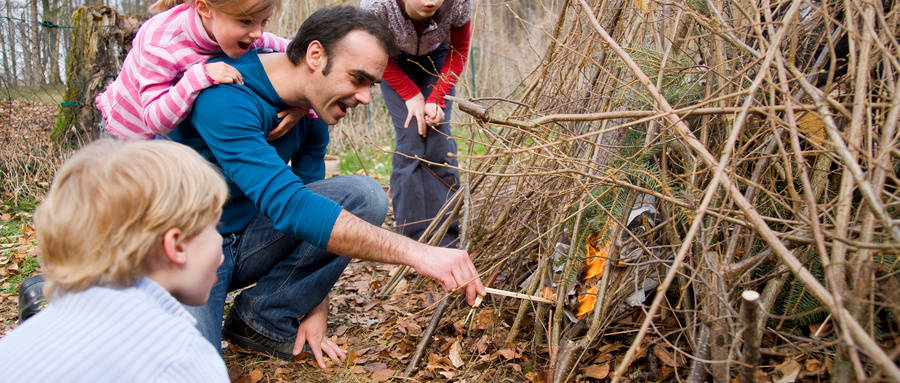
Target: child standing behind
433, 36
166, 68
126, 234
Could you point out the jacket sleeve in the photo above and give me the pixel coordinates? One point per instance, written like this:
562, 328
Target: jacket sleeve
453, 65
398, 80
165, 99
271, 41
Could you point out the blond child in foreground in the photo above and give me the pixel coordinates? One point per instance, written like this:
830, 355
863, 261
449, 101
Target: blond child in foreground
126, 234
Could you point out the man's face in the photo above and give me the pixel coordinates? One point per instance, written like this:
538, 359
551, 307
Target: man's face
357, 63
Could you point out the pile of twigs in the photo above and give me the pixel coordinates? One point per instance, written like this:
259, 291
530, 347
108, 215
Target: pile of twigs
760, 139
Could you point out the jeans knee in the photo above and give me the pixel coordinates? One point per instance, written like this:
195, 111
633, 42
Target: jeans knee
367, 200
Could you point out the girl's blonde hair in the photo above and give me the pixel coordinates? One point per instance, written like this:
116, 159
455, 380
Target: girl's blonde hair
103, 221
231, 7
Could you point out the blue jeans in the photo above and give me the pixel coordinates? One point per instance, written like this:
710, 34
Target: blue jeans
292, 276
419, 190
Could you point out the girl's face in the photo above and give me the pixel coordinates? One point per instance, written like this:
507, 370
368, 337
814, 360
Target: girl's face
233, 31
421, 10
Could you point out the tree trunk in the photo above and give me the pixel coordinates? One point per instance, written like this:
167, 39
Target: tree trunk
6, 79
35, 48
11, 35
51, 45
98, 45
28, 70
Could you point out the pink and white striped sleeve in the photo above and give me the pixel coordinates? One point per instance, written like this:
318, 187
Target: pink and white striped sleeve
271, 41
165, 99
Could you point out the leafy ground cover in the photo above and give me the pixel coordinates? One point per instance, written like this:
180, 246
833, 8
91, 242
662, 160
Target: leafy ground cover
379, 333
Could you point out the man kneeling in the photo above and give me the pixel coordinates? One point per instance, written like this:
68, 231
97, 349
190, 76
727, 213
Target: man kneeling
286, 228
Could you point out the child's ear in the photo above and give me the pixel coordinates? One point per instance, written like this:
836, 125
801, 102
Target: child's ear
203, 8
173, 246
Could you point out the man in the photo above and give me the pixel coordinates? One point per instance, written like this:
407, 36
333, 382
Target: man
283, 224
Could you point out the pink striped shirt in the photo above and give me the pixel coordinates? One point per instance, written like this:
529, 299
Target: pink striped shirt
163, 74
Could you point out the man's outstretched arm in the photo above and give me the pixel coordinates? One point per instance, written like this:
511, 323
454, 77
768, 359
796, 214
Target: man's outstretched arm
355, 238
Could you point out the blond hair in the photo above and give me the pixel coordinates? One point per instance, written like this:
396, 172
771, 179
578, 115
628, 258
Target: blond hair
231, 7
103, 221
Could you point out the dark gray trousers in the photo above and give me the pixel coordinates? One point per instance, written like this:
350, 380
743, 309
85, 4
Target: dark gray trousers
419, 190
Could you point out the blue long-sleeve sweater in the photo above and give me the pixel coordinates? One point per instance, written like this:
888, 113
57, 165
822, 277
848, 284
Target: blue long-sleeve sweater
228, 126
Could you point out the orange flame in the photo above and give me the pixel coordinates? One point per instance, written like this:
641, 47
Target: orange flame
595, 259
587, 301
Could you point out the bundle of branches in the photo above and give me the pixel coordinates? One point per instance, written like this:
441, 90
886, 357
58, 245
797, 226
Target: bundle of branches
712, 147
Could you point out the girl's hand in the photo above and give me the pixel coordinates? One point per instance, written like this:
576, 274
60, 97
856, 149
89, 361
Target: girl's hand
289, 118
415, 107
434, 115
223, 73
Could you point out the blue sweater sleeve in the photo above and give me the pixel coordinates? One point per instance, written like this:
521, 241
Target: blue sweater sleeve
236, 139
309, 164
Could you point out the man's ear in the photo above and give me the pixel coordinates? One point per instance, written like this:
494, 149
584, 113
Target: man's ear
315, 56
203, 8
173, 246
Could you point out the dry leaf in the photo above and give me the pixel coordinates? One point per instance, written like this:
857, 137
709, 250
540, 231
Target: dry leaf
548, 293
787, 372
482, 344
381, 375
813, 126
357, 370
484, 320
256, 375
351, 357
536, 377
813, 365
597, 371
665, 358
436, 361
507, 353
454, 356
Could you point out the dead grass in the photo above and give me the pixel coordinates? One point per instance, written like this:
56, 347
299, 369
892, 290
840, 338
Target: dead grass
28, 158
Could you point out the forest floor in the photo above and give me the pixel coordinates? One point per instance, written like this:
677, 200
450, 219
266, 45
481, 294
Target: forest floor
379, 333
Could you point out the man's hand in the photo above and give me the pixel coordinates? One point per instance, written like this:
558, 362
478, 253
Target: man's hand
289, 117
223, 73
453, 269
434, 115
353, 237
312, 330
415, 107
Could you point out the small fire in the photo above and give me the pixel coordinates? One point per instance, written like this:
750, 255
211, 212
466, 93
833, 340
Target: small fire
587, 301
595, 259
594, 263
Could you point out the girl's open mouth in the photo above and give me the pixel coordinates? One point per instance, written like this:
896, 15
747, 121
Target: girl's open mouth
243, 45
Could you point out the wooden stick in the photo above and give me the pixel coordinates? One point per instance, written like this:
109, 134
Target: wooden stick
519, 296
749, 315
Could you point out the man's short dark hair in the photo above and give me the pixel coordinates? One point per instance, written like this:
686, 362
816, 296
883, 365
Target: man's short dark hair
330, 25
